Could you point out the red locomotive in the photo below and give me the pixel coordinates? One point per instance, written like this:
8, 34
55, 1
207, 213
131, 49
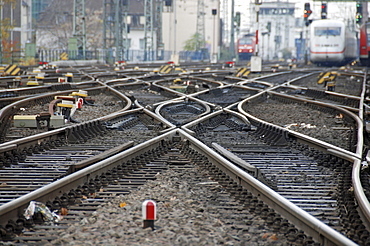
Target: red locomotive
365, 44
246, 46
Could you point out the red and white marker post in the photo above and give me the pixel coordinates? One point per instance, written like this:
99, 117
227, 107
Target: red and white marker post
80, 102
149, 209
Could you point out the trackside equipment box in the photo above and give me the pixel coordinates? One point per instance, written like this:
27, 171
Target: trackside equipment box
29, 121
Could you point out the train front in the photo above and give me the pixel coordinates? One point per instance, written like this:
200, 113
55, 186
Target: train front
365, 44
246, 46
327, 45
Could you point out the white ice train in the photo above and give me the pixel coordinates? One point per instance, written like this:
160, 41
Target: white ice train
331, 43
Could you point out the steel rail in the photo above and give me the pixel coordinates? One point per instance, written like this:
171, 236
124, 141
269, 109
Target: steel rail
158, 88
248, 81
321, 232
272, 75
318, 230
34, 99
22, 143
222, 87
127, 81
354, 117
345, 112
205, 106
119, 94
26, 92
232, 86
187, 127
16, 207
330, 96
117, 115
191, 97
354, 157
205, 80
363, 202
329, 93
9, 110
164, 88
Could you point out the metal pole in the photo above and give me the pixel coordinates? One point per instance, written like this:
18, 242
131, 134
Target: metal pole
174, 28
214, 46
1, 33
105, 31
125, 34
214, 38
257, 15
232, 34
79, 27
306, 48
151, 30
256, 60
268, 47
118, 36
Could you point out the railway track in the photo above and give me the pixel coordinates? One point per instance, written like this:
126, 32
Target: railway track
282, 166
247, 147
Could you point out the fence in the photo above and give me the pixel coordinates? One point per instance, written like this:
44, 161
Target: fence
106, 56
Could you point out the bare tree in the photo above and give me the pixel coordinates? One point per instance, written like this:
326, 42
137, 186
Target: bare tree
55, 26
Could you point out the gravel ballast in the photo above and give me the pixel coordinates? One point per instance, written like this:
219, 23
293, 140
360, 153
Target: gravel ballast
192, 209
305, 120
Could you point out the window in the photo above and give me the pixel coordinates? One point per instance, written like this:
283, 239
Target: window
142, 44
142, 20
127, 42
327, 31
245, 41
368, 34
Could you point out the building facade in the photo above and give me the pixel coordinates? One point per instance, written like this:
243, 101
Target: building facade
277, 29
166, 31
183, 19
